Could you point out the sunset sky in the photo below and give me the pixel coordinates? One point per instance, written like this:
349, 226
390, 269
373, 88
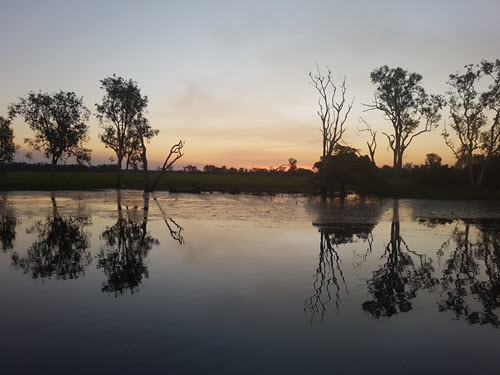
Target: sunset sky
231, 77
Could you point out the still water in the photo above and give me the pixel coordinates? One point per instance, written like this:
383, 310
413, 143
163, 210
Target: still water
169, 283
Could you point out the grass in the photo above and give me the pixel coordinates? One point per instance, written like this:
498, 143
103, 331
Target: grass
174, 182
196, 183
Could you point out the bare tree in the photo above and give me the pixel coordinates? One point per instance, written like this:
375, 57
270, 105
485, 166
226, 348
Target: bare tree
334, 108
174, 155
143, 132
404, 102
372, 143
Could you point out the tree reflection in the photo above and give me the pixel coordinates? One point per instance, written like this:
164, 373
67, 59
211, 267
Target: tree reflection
471, 278
329, 279
8, 223
396, 283
60, 250
126, 246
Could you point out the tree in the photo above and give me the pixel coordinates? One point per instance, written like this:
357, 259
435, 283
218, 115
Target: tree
292, 165
433, 160
334, 108
372, 144
7, 146
470, 114
59, 123
121, 113
404, 102
143, 132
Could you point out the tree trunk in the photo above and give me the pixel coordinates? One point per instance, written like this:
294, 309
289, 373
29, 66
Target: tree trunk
144, 159
53, 171
119, 172
480, 176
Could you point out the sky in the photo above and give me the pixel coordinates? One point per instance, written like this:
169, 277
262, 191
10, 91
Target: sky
231, 77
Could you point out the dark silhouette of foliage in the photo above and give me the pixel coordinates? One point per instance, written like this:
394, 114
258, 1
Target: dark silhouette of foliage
7, 146
433, 160
59, 121
404, 102
121, 114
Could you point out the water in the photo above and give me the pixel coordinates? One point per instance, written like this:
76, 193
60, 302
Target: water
242, 284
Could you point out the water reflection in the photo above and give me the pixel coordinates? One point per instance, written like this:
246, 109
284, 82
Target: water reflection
60, 249
126, 246
8, 223
396, 283
471, 278
329, 281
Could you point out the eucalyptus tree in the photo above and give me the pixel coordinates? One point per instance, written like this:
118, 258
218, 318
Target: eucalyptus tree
475, 118
121, 114
59, 123
404, 102
7, 146
334, 109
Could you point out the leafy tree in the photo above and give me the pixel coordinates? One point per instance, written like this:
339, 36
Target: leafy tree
404, 102
121, 114
433, 160
59, 122
292, 165
7, 146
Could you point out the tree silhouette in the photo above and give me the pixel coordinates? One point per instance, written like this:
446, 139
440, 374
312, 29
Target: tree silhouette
7, 146
404, 102
469, 118
334, 109
60, 250
59, 123
121, 114
123, 255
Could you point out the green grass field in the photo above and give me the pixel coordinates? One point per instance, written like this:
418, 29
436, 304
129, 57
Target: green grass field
174, 182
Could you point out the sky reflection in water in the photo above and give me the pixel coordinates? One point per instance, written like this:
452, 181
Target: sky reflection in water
223, 283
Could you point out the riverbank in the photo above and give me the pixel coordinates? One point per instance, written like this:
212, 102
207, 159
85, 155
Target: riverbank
236, 184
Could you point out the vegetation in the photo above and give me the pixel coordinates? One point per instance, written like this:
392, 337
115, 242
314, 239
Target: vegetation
59, 123
7, 146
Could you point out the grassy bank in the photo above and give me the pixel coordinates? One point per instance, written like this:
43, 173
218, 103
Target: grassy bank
196, 183
173, 182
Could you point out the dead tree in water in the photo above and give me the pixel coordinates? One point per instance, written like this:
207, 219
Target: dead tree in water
174, 155
372, 144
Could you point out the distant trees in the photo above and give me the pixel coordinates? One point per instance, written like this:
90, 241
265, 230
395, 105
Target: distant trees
478, 134
7, 146
59, 121
334, 108
292, 165
433, 160
404, 102
121, 113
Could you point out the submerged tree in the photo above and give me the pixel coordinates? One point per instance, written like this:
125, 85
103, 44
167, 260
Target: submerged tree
404, 102
7, 146
334, 109
60, 250
121, 114
59, 122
